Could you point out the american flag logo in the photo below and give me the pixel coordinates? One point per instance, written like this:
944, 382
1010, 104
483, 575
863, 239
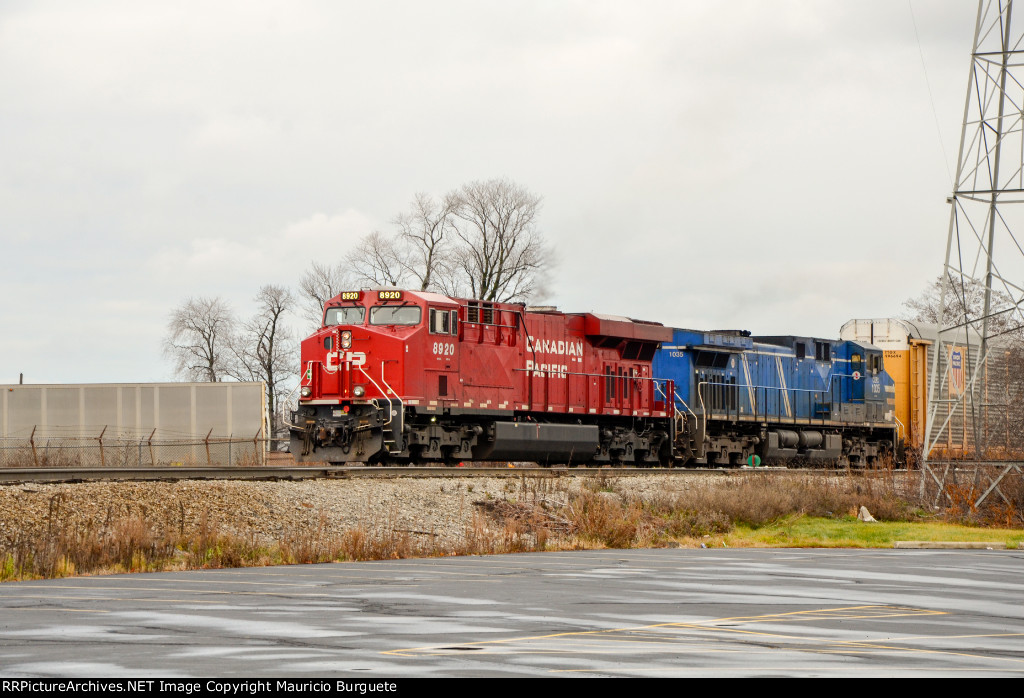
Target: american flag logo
956, 369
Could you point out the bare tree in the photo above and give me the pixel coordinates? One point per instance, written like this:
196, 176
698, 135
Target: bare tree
264, 349
199, 339
318, 285
1002, 382
501, 255
380, 260
426, 230
480, 240
965, 302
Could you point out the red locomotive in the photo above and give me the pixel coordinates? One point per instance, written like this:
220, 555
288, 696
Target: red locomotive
406, 376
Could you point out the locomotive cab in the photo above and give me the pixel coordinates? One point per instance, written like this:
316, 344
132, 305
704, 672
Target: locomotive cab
356, 370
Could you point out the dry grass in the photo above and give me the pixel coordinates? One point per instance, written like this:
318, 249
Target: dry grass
534, 514
958, 500
604, 516
1005, 508
601, 515
765, 497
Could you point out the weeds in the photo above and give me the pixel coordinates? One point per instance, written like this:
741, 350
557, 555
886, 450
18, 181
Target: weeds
531, 514
764, 498
601, 515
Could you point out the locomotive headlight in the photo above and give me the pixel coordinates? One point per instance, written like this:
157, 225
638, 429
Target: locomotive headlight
359, 391
306, 391
346, 339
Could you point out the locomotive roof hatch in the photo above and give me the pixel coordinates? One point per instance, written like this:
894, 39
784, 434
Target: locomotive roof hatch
431, 297
625, 328
717, 340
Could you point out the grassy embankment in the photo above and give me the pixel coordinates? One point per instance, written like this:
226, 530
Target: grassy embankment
755, 510
847, 532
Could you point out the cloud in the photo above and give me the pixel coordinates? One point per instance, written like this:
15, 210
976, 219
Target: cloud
234, 132
705, 164
211, 263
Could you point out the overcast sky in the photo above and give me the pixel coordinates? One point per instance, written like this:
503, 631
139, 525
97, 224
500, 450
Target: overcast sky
775, 166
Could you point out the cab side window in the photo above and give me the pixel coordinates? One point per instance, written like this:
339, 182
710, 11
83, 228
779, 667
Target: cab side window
440, 321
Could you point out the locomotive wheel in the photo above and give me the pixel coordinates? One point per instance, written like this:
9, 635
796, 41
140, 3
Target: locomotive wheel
665, 454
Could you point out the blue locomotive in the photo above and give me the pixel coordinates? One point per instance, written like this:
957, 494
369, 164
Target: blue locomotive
751, 400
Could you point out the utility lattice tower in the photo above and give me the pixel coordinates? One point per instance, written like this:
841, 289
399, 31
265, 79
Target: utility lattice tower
983, 277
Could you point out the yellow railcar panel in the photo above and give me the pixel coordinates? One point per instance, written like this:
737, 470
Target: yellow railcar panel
897, 365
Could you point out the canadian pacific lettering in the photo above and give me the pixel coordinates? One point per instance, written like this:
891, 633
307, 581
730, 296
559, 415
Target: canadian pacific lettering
551, 346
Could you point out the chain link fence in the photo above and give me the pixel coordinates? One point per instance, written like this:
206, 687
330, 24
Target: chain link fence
106, 448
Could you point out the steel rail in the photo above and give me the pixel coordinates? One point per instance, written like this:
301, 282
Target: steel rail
13, 476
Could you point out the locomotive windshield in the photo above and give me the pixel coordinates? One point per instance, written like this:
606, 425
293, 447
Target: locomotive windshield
345, 316
396, 315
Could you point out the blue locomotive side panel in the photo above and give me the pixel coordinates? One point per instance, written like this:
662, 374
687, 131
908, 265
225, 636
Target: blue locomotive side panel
796, 395
805, 380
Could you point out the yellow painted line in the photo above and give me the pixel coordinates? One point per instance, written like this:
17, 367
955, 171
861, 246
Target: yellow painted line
923, 650
904, 610
953, 637
709, 625
580, 635
610, 651
853, 648
587, 641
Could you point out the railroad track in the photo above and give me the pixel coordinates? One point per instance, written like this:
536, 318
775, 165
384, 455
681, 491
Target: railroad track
13, 476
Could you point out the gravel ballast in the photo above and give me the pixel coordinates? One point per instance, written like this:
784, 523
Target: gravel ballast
265, 511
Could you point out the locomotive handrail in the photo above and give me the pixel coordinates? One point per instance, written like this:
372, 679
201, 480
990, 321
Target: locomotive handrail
309, 367
385, 382
829, 391
287, 400
379, 389
684, 404
703, 410
401, 405
822, 391
400, 412
675, 394
547, 374
487, 324
533, 350
592, 375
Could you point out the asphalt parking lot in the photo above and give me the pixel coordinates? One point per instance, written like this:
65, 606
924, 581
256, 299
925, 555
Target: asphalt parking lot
670, 612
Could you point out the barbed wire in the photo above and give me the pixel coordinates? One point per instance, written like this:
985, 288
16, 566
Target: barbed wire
57, 447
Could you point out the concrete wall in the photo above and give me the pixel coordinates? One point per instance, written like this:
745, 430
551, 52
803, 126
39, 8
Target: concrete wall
61, 416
